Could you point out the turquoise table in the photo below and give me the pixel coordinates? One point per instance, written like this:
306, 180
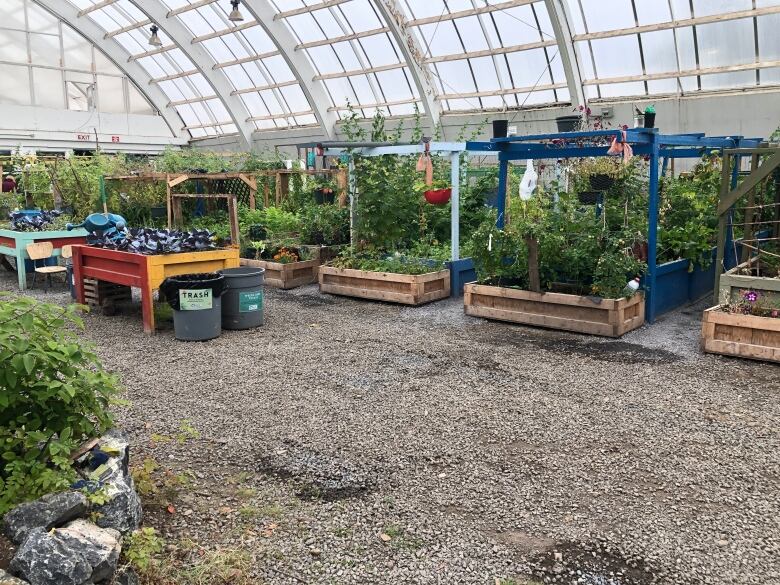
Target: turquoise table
15, 244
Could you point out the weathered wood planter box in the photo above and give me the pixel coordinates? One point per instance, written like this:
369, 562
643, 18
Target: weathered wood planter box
745, 336
734, 282
610, 317
286, 276
408, 289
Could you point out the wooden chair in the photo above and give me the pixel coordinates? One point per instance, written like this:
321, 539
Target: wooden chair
42, 251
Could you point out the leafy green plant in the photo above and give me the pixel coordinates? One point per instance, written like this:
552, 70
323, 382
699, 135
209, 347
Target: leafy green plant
376, 262
54, 393
324, 224
143, 548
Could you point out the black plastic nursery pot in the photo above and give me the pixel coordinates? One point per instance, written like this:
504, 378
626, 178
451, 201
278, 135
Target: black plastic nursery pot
567, 123
159, 211
600, 182
250, 253
196, 303
321, 196
500, 128
649, 119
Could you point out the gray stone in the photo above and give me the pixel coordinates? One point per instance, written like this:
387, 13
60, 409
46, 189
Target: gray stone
77, 554
123, 511
125, 576
100, 546
43, 559
48, 512
6, 579
117, 444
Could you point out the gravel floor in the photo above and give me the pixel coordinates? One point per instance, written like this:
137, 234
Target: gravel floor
359, 442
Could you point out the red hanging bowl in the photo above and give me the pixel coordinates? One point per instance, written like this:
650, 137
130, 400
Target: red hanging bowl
438, 196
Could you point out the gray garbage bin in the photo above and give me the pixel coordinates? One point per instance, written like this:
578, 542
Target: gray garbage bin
242, 301
196, 303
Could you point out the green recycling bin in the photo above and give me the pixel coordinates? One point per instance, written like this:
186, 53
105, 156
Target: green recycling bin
242, 301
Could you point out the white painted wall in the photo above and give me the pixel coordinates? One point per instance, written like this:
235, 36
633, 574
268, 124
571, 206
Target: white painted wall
43, 128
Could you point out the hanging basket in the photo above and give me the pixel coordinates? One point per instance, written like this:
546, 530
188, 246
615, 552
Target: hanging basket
438, 196
601, 182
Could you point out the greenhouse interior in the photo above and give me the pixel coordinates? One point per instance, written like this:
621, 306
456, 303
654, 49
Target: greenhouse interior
480, 292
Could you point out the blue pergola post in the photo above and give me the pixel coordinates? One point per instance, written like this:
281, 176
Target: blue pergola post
503, 171
652, 232
729, 254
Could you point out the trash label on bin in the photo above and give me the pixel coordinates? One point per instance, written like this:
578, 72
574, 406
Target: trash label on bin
248, 302
195, 299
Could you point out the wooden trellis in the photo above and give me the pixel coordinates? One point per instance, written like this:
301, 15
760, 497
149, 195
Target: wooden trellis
760, 173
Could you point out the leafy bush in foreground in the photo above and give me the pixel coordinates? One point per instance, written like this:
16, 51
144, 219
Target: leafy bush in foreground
54, 393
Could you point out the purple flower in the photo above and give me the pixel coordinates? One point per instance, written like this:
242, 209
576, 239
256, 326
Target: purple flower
750, 296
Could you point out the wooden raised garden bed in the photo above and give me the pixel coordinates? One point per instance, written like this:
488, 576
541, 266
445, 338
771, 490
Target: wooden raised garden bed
286, 276
745, 336
408, 289
737, 280
610, 317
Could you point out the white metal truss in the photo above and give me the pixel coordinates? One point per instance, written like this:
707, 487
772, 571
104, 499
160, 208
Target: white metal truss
68, 14
314, 90
201, 58
393, 15
563, 30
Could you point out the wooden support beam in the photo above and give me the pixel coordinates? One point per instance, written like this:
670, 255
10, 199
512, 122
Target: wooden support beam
761, 173
725, 184
533, 264
176, 180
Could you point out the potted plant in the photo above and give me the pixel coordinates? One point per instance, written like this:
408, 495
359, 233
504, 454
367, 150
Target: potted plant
437, 193
601, 172
324, 191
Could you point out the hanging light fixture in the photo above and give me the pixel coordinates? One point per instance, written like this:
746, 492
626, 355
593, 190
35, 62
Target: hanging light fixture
235, 14
154, 40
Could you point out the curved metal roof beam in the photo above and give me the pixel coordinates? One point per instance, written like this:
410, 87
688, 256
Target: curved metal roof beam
393, 15
201, 58
68, 14
563, 30
314, 89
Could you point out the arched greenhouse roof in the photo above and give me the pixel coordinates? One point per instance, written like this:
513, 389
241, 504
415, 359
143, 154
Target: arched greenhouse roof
299, 63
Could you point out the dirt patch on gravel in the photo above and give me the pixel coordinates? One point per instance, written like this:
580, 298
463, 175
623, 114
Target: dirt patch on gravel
589, 565
317, 475
612, 351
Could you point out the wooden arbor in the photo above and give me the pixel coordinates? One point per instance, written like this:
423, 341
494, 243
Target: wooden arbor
731, 193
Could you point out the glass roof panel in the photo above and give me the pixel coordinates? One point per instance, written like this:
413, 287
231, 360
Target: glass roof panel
469, 47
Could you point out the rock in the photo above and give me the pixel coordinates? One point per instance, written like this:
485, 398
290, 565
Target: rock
6, 579
48, 512
77, 554
116, 444
123, 511
100, 546
43, 559
125, 576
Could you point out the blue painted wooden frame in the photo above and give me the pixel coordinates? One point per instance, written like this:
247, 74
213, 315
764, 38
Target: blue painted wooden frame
664, 285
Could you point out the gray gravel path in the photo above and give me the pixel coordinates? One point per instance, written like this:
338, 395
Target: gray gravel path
358, 442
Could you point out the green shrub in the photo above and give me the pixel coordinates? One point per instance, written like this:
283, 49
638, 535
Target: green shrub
54, 393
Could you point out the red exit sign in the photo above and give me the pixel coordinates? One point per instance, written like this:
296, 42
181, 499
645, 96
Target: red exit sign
115, 139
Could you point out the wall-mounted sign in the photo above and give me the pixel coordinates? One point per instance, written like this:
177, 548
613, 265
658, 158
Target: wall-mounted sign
115, 139
84, 137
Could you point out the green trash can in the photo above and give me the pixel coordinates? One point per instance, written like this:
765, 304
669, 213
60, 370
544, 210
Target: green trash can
242, 301
197, 305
